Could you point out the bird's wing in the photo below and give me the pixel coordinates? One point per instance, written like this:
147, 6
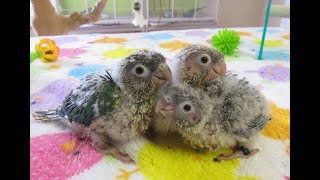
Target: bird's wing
243, 108
259, 123
254, 125
96, 95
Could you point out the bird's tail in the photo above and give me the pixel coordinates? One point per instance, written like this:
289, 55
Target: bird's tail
47, 115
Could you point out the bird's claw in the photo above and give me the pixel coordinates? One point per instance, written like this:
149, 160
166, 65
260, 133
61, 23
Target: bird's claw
242, 152
216, 160
122, 157
110, 150
201, 150
151, 134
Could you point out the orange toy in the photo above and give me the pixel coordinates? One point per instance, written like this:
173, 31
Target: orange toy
46, 50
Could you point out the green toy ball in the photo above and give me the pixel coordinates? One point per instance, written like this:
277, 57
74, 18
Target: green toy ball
226, 41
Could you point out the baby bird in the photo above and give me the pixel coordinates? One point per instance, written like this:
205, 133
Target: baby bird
189, 110
111, 112
217, 122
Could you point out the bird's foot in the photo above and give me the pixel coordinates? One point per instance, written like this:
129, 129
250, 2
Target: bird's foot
201, 150
151, 134
110, 150
240, 152
121, 156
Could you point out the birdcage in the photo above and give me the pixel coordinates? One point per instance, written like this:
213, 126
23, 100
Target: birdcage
160, 14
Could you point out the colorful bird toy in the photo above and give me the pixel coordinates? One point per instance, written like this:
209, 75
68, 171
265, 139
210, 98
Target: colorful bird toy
46, 50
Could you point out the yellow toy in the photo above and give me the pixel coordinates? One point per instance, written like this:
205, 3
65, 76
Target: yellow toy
46, 50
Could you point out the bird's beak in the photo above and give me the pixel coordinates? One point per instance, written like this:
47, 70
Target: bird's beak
218, 69
165, 108
162, 76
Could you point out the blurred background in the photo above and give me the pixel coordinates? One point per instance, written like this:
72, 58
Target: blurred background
172, 14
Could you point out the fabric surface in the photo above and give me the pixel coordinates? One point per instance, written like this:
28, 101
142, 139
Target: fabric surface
57, 153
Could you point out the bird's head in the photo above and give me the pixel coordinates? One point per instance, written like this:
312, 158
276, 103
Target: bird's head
143, 70
181, 104
199, 63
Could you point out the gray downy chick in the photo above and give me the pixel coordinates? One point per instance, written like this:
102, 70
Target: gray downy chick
212, 123
110, 112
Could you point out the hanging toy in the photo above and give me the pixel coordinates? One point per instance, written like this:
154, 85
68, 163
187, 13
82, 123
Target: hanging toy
226, 41
138, 20
46, 50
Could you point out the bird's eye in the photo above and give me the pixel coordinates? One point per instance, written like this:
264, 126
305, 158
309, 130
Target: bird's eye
204, 59
139, 70
187, 107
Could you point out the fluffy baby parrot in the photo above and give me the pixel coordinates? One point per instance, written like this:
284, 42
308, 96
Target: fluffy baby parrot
111, 112
217, 122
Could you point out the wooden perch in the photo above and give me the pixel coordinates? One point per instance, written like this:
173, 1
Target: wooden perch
47, 22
